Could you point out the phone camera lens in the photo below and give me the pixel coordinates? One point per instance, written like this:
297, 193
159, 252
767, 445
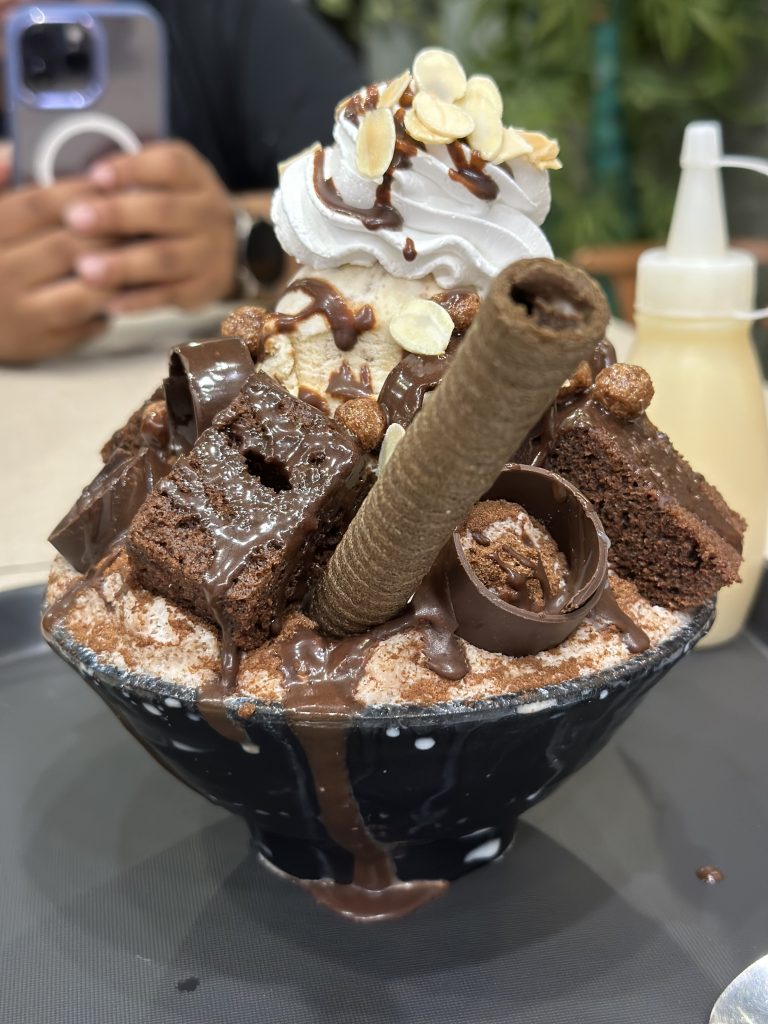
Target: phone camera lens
37, 66
74, 35
78, 62
57, 58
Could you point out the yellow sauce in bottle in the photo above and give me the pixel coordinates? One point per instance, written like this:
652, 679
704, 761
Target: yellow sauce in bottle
709, 398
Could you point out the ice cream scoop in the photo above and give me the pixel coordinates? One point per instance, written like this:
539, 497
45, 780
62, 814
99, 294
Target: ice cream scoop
424, 190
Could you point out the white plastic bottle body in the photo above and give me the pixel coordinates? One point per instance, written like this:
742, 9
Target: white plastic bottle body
709, 399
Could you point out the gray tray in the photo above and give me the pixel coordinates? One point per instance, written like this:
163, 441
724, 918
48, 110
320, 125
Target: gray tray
127, 899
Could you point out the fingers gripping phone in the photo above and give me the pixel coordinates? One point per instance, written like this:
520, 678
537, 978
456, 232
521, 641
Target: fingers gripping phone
83, 81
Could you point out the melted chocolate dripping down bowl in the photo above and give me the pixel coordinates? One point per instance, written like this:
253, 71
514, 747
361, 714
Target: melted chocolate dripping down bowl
440, 786
489, 622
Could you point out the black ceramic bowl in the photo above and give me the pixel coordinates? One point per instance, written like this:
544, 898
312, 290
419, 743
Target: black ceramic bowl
442, 786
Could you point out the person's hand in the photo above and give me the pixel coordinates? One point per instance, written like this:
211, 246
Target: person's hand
177, 221
46, 310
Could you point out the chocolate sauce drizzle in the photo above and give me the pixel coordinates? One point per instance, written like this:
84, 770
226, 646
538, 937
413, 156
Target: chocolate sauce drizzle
531, 559
345, 324
604, 355
336, 666
633, 636
313, 398
375, 892
360, 104
403, 391
343, 383
405, 147
471, 172
381, 215
321, 676
94, 576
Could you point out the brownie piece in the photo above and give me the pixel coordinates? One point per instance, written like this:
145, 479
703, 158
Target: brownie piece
235, 530
671, 532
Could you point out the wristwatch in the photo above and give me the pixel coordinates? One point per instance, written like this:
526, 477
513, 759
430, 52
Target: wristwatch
259, 256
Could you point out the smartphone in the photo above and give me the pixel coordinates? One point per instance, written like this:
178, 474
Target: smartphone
83, 81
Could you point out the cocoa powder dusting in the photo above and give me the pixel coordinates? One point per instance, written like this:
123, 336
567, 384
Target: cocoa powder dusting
513, 555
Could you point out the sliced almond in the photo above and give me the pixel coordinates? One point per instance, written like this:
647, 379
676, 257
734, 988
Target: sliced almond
419, 131
441, 117
422, 327
375, 143
439, 72
483, 87
544, 151
394, 435
488, 134
285, 164
394, 90
513, 146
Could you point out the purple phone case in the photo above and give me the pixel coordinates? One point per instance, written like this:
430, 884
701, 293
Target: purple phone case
128, 98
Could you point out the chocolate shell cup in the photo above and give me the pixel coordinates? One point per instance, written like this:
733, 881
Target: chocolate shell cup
489, 622
441, 785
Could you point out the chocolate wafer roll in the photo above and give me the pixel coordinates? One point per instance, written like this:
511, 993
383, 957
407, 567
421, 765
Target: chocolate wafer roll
540, 319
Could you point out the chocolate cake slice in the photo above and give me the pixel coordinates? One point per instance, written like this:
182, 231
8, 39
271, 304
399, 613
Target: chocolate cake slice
671, 532
235, 530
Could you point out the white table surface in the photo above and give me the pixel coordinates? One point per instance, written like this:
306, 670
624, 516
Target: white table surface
54, 419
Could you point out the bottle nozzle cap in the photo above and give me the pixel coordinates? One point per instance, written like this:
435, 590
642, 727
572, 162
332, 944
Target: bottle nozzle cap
697, 274
702, 145
699, 228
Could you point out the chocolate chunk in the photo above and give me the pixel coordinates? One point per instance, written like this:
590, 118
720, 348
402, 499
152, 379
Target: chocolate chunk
204, 377
238, 527
107, 506
128, 438
344, 383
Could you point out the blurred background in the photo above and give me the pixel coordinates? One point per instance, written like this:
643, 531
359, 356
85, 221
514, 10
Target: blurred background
616, 82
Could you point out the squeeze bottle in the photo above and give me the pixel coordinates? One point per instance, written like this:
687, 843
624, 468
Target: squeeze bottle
693, 308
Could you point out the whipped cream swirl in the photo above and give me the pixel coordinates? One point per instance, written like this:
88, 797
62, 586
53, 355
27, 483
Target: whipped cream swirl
460, 239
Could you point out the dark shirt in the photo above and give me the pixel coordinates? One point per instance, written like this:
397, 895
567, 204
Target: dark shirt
253, 82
